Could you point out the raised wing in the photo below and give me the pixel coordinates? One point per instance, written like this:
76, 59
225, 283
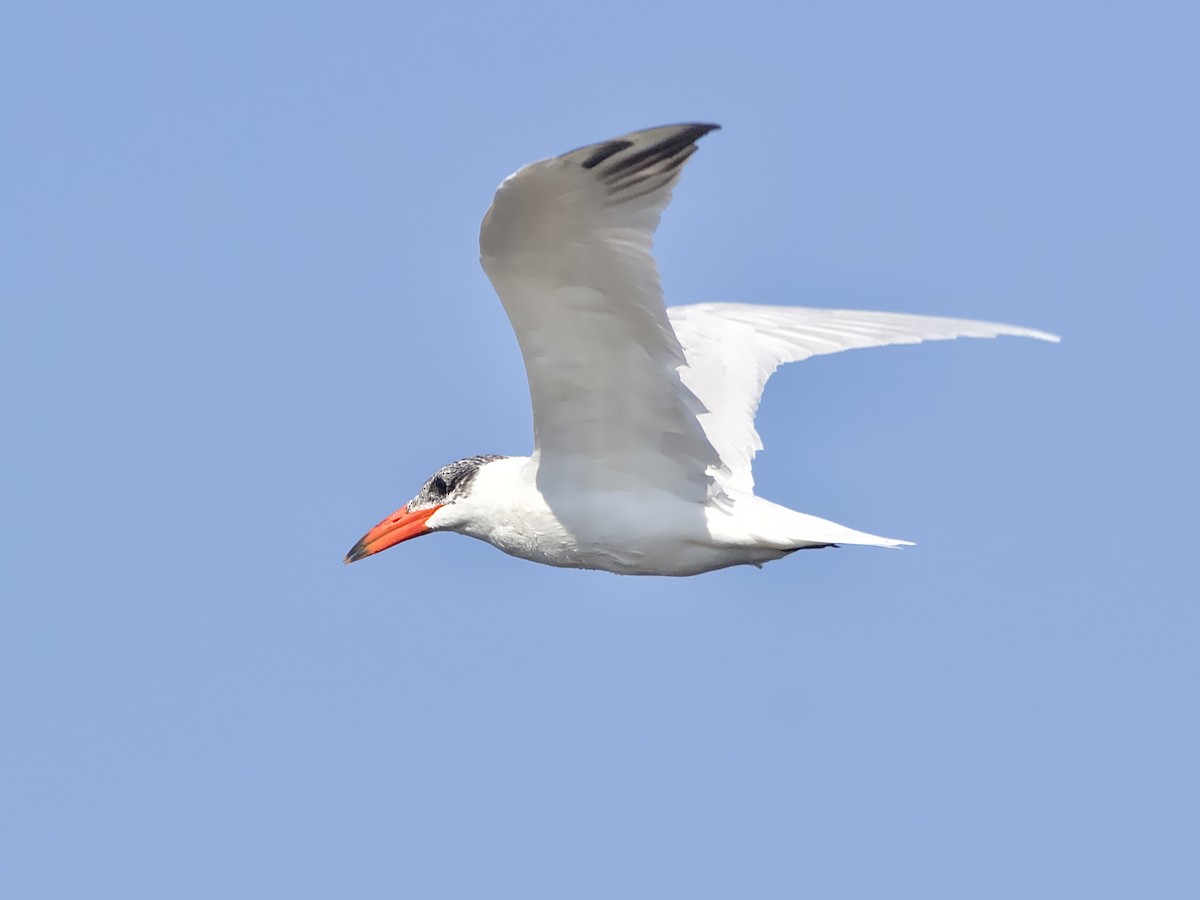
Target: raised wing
732, 349
566, 243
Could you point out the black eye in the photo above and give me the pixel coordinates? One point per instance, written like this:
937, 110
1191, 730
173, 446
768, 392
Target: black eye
438, 486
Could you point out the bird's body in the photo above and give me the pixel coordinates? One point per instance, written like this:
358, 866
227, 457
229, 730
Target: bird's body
643, 415
629, 532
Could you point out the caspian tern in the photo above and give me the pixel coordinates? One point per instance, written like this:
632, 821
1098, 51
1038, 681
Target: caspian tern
643, 415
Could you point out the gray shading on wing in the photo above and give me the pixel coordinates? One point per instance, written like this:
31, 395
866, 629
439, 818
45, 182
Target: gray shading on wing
567, 245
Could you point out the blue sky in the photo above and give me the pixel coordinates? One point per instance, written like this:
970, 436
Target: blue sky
244, 319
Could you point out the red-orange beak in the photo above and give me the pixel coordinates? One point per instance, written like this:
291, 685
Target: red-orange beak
396, 528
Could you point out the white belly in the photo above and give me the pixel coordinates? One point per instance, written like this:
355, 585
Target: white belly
642, 533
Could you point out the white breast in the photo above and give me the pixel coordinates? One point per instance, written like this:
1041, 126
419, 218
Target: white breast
644, 532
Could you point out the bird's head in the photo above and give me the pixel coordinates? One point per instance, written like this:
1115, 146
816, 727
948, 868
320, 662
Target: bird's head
438, 506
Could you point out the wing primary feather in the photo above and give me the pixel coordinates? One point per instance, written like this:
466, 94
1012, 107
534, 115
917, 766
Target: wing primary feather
656, 182
679, 160
604, 151
661, 176
680, 141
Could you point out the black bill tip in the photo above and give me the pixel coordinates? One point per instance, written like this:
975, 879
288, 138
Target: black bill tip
357, 552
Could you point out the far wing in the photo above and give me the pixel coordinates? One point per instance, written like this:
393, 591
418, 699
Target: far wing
566, 243
733, 348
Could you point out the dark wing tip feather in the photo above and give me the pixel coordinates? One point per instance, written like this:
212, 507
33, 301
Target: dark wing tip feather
678, 142
645, 159
604, 151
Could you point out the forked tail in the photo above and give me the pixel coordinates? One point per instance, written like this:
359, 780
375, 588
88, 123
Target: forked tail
777, 526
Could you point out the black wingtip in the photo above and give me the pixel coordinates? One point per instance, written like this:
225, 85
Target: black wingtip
685, 134
604, 151
690, 132
678, 145
704, 128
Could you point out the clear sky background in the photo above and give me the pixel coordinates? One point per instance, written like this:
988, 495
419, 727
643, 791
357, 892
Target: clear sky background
243, 319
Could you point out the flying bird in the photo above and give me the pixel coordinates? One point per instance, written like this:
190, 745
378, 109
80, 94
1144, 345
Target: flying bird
643, 415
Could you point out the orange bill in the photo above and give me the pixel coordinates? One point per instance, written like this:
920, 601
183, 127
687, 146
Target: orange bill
400, 526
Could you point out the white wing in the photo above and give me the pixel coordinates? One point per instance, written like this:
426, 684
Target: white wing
733, 348
566, 244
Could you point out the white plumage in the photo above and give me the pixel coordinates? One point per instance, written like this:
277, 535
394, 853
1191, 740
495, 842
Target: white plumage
733, 348
643, 415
